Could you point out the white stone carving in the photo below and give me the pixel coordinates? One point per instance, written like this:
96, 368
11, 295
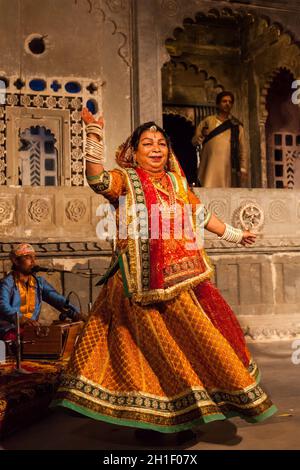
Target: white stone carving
249, 216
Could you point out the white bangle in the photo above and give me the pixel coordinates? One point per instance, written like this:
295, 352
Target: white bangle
93, 146
98, 161
94, 128
94, 151
232, 234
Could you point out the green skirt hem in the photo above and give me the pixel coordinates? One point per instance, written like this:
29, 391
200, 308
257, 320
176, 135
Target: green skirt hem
163, 429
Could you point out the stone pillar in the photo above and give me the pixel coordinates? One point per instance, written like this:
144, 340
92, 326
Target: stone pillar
148, 63
255, 129
263, 150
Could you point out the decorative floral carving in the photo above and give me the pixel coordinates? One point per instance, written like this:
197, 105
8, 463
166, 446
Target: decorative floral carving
12, 100
76, 116
63, 102
76, 153
75, 210
38, 101
76, 140
77, 180
38, 210
77, 167
6, 211
278, 211
2, 165
25, 100
218, 207
51, 101
76, 103
77, 128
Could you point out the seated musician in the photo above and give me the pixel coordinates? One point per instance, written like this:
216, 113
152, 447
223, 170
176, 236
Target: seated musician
22, 291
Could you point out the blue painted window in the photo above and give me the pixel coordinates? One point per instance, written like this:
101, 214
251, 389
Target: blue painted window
73, 87
37, 84
92, 106
55, 85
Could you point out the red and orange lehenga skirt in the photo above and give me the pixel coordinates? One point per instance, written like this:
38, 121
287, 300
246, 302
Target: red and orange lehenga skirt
168, 366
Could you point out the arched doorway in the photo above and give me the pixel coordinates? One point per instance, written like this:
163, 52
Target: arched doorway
240, 48
282, 133
181, 132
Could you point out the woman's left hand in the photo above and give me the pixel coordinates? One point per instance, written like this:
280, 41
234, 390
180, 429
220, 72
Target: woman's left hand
248, 238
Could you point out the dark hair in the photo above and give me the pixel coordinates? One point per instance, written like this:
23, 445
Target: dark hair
135, 138
221, 95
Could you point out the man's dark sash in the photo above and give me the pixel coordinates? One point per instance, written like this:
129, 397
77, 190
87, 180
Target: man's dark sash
232, 124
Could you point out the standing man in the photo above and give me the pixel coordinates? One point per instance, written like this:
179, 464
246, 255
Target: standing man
224, 159
23, 292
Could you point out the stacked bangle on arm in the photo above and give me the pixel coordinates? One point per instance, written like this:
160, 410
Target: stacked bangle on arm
94, 128
232, 234
94, 148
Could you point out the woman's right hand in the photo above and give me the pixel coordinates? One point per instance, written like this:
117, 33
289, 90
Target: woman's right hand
88, 118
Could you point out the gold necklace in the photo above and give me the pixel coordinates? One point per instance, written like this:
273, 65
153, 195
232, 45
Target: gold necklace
166, 208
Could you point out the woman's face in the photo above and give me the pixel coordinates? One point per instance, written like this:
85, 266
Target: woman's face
152, 152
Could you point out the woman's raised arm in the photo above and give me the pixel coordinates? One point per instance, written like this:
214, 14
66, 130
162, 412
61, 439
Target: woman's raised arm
94, 144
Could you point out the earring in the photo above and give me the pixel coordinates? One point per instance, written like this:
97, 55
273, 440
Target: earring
134, 159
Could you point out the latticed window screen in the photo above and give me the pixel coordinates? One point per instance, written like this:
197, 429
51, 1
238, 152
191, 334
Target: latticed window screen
285, 153
38, 165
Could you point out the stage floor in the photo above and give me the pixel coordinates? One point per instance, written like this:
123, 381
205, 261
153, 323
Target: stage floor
280, 377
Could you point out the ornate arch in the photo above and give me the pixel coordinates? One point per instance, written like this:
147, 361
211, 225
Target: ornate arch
209, 83
287, 55
263, 116
111, 12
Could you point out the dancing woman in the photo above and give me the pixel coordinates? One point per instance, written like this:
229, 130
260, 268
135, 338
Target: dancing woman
162, 350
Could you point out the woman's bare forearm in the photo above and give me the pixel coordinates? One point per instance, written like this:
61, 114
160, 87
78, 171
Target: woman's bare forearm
93, 169
215, 225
